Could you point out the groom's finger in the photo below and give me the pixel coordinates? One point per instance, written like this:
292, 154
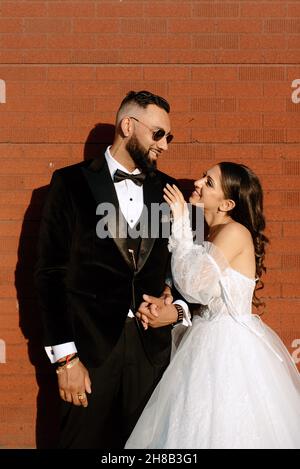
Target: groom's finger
152, 299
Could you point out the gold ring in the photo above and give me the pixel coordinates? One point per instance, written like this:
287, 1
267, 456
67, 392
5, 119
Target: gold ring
81, 396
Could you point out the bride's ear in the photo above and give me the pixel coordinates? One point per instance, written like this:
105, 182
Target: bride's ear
227, 205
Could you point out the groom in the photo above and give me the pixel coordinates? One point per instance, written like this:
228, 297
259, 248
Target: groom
90, 279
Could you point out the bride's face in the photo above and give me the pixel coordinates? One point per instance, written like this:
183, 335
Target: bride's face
208, 190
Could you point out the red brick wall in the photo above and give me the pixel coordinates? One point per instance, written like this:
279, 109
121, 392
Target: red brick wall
225, 66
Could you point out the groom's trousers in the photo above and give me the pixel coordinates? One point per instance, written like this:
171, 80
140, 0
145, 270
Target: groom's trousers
121, 388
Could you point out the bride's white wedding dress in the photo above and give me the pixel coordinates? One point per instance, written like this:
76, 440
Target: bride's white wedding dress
231, 382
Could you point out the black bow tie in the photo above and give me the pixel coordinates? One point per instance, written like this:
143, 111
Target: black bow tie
136, 178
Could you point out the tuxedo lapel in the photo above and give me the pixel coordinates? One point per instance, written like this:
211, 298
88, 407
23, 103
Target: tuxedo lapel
102, 187
152, 190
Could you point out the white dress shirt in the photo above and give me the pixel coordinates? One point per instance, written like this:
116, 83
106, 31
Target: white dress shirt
131, 202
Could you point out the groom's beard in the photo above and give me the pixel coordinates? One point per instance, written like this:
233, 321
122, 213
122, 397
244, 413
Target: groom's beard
141, 157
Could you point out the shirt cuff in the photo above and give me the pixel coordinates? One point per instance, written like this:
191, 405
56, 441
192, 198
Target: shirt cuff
55, 352
186, 313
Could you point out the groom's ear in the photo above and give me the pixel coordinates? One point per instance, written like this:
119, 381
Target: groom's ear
125, 127
227, 205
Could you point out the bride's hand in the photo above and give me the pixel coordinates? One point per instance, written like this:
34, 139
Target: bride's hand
175, 199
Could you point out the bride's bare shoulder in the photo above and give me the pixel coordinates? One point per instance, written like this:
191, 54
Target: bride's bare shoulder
233, 239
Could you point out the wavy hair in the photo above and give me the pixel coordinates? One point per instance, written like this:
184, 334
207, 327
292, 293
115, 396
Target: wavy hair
240, 184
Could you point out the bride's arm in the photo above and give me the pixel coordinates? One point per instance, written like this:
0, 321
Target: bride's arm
196, 269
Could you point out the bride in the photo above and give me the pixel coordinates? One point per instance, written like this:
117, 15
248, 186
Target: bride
231, 382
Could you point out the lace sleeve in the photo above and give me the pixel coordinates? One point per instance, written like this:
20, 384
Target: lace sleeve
196, 269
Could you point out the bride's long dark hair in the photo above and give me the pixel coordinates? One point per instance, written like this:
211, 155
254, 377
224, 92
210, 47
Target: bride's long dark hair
240, 184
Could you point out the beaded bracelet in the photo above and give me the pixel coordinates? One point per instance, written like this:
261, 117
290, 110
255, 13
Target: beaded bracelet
69, 365
68, 359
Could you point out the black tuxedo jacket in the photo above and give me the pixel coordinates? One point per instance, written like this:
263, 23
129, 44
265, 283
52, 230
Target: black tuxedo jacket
85, 284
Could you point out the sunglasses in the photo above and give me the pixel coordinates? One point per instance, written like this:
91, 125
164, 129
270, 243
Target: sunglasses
156, 134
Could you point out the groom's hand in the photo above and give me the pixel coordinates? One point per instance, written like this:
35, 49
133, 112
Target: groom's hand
154, 312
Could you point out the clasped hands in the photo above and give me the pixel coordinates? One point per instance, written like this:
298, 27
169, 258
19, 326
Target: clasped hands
157, 312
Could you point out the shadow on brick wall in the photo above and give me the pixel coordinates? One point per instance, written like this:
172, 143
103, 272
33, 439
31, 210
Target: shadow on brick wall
30, 321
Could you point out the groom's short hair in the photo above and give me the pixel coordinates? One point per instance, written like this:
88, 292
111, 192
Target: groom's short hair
143, 99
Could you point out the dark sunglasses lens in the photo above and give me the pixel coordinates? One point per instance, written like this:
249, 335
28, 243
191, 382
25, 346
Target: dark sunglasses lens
158, 135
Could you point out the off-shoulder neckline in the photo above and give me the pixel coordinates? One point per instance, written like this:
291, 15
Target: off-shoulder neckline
231, 268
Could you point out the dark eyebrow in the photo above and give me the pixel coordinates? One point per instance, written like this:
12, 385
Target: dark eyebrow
208, 177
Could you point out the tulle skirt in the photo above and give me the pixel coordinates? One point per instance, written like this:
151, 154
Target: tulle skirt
224, 388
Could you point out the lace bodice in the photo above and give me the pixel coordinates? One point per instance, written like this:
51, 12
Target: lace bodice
201, 274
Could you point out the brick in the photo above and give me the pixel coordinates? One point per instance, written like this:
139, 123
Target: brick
95, 25
219, 41
96, 56
214, 135
290, 199
66, 105
284, 121
165, 10
71, 73
286, 245
263, 41
213, 104
111, 41
191, 25
239, 56
293, 9
293, 135
291, 168
259, 10
125, 72
290, 152
266, 104
15, 41
291, 291
71, 41
216, 10
291, 229
212, 73
181, 88
71, 9
262, 135
238, 89
191, 151
120, 10
238, 26
24, 73
232, 152
47, 25
11, 25
194, 120
47, 56
262, 73
278, 214
170, 41
166, 73
291, 262
48, 89
23, 9
193, 56
238, 120
282, 26
143, 26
